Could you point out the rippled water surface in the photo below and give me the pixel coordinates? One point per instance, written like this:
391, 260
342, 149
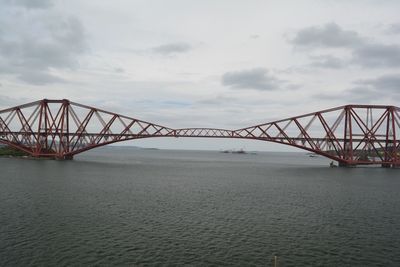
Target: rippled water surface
131, 207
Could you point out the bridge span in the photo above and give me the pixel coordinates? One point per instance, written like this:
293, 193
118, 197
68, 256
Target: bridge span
351, 134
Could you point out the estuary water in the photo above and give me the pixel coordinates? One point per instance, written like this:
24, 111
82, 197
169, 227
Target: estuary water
135, 207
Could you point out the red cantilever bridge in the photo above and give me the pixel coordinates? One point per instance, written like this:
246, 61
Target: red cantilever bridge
350, 135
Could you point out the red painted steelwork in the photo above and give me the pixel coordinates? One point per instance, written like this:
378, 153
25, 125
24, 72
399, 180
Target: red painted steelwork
61, 129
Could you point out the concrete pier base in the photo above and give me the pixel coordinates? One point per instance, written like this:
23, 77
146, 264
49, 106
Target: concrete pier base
68, 157
345, 164
390, 165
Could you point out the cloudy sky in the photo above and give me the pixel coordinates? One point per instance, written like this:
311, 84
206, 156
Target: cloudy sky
209, 63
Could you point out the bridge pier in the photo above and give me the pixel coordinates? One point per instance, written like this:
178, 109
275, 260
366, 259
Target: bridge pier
390, 165
346, 164
64, 157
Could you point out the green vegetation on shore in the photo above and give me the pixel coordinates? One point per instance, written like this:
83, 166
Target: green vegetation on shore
11, 151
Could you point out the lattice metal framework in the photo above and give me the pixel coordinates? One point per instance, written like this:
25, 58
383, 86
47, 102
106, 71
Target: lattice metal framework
351, 135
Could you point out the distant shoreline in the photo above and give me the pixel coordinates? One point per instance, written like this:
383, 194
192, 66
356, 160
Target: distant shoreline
8, 151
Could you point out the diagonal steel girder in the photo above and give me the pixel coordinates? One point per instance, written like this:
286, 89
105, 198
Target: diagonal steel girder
347, 134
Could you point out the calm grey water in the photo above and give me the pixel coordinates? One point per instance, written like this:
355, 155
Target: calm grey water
131, 207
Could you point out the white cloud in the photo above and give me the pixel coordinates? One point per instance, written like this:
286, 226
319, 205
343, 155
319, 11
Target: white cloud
38, 42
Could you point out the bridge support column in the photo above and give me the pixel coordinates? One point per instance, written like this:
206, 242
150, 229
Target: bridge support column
346, 164
69, 157
65, 157
390, 165
342, 164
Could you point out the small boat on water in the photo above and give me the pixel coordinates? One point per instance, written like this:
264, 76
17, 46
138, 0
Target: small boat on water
240, 151
233, 151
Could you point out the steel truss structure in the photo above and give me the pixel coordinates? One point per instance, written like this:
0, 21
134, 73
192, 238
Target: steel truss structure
350, 135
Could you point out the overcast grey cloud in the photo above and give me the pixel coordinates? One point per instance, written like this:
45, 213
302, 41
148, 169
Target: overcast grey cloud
257, 79
216, 100
384, 84
328, 35
255, 36
377, 55
371, 90
119, 70
38, 43
364, 52
328, 61
172, 48
6, 101
41, 4
368, 90
393, 28
39, 78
